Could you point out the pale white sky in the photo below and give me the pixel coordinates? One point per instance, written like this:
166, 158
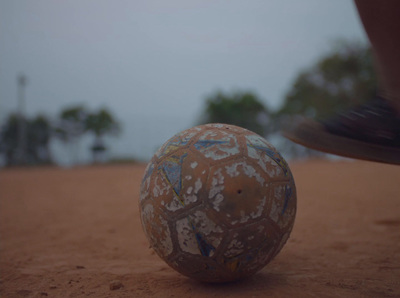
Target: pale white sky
152, 62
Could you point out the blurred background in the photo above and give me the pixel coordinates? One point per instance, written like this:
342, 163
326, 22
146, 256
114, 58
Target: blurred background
111, 81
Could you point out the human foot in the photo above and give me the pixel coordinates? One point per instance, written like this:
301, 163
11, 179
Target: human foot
369, 132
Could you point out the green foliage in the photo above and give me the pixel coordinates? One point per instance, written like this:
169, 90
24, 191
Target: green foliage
9, 139
38, 134
75, 121
71, 123
101, 123
243, 109
343, 78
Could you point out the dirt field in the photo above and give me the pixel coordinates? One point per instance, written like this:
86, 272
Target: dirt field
76, 233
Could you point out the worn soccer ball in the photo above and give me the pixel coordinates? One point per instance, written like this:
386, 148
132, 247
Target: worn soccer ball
217, 202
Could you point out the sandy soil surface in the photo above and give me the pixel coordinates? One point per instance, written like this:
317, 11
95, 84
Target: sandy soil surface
76, 233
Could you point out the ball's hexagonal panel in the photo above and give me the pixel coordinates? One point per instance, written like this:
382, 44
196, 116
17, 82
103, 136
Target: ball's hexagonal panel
249, 248
217, 144
242, 240
282, 205
179, 182
237, 191
267, 157
157, 230
198, 234
179, 140
264, 253
146, 182
284, 236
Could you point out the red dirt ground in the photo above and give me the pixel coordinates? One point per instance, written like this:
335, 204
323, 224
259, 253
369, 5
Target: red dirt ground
76, 233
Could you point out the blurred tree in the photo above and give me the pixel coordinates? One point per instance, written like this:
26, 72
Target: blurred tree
39, 135
9, 140
243, 109
343, 78
38, 138
71, 127
100, 124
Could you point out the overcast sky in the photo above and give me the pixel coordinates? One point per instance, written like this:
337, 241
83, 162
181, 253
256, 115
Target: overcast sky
152, 62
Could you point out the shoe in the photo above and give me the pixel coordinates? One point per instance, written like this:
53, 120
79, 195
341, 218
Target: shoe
369, 132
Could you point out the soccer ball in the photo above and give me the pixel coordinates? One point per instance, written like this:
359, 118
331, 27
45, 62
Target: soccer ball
217, 202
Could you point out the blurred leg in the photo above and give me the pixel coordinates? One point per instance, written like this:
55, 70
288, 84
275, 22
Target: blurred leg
370, 131
381, 20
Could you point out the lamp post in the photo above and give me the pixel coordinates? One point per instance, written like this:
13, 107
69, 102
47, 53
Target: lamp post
22, 137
